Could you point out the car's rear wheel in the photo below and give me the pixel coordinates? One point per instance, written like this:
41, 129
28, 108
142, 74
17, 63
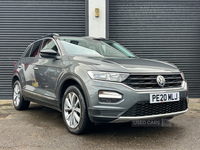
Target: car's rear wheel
74, 111
18, 100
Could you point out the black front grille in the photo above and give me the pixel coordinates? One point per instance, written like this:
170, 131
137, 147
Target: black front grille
144, 108
149, 81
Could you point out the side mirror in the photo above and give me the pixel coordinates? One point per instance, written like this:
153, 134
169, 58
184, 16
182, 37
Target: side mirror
49, 53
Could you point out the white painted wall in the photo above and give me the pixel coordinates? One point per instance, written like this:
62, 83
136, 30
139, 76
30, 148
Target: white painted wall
97, 26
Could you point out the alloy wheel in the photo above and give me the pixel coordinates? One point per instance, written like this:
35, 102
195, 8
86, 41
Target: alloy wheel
16, 94
72, 110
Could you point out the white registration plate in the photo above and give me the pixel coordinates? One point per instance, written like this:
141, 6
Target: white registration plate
164, 97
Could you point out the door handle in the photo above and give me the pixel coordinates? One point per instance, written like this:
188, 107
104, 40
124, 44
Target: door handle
35, 68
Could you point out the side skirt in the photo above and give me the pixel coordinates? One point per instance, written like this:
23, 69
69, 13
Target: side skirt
41, 99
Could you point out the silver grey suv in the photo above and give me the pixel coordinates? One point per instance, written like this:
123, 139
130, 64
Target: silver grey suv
95, 80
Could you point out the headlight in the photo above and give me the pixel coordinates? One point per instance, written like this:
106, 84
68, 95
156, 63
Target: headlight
108, 76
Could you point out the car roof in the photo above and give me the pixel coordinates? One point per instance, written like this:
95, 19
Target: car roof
84, 37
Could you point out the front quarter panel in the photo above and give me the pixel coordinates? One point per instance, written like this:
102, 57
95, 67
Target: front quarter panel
76, 71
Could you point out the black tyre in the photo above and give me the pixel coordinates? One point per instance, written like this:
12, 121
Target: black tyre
18, 100
74, 111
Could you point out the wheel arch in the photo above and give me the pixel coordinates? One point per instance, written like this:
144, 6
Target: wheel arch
67, 81
15, 78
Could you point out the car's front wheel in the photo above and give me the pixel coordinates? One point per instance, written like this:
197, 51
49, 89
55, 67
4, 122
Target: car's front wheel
18, 100
74, 111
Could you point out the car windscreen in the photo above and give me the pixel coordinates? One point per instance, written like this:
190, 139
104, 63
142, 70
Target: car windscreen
93, 47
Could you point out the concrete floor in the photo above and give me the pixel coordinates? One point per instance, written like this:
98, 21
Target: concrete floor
43, 128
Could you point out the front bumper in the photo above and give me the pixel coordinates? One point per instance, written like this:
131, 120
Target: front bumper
128, 119
102, 112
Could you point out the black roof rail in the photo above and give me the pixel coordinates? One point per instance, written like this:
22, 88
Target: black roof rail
51, 35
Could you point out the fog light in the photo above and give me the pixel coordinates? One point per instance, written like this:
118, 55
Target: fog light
109, 97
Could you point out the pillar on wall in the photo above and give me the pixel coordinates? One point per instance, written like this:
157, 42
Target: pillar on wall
97, 18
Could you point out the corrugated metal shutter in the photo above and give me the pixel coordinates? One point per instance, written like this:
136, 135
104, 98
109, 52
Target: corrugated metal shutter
22, 22
166, 30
